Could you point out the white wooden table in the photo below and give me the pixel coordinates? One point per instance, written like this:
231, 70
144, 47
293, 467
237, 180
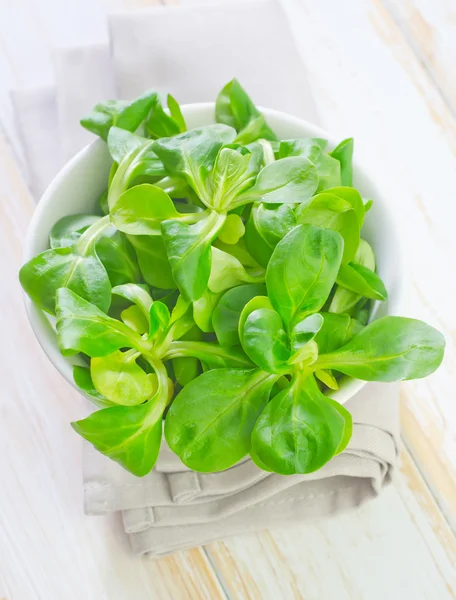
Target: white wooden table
383, 72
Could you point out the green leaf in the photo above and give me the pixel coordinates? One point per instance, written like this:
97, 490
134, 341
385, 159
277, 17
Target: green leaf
129, 435
121, 142
118, 257
256, 303
326, 377
265, 341
239, 251
229, 169
112, 247
69, 229
305, 356
225, 318
332, 212
83, 380
267, 225
227, 272
233, 229
152, 260
361, 311
120, 379
353, 197
187, 369
305, 147
234, 108
302, 271
289, 180
141, 210
273, 222
192, 155
137, 294
343, 299
305, 331
120, 113
361, 280
140, 165
82, 327
211, 355
134, 318
348, 429
368, 205
177, 188
344, 154
390, 349
158, 123
299, 431
159, 320
176, 113
189, 253
336, 331
203, 309
210, 421
180, 308
258, 462
44, 274
365, 255
103, 198
328, 168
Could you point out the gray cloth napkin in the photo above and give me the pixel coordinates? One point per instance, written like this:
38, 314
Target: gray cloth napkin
172, 507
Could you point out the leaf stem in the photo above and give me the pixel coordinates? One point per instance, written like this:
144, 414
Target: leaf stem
268, 152
180, 349
160, 399
85, 244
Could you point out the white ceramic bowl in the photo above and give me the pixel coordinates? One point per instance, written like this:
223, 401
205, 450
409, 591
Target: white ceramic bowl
79, 184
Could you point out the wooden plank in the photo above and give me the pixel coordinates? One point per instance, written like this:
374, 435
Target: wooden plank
397, 547
429, 27
49, 548
406, 135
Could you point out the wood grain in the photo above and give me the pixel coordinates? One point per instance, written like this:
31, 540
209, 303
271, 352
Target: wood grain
429, 29
365, 554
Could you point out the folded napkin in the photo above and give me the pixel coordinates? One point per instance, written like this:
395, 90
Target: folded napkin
173, 507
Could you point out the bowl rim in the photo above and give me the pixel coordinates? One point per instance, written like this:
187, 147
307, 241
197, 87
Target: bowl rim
41, 323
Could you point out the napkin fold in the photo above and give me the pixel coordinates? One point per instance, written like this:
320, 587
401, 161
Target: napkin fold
192, 51
169, 508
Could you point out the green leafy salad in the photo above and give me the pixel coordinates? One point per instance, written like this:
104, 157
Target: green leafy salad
221, 292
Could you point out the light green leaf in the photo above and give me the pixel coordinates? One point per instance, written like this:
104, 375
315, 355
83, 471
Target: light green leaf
227, 272
82, 327
344, 154
235, 108
189, 253
289, 180
120, 379
141, 210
